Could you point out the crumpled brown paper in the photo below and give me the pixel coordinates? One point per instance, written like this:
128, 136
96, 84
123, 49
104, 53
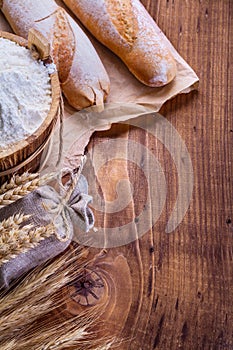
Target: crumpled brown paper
78, 128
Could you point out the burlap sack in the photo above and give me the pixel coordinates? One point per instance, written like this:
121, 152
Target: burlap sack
46, 205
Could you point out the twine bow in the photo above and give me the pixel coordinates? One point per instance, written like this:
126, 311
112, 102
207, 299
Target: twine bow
70, 205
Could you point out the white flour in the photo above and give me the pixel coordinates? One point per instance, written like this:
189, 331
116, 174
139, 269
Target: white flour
25, 93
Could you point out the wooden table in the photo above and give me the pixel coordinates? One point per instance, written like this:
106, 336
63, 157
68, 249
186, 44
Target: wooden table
175, 291
171, 291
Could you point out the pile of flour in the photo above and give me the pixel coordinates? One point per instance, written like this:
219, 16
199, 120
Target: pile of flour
25, 93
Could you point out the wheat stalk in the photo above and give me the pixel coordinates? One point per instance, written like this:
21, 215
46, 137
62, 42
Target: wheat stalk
22, 316
18, 180
25, 304
9, 345
107, 346
26, 318
35, 305
13, 221
19, 187
41, 278
59, 337
43, 282
74, 332
72, 336
19, 240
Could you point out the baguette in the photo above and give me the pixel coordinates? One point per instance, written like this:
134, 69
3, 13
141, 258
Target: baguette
82, 75
127, 29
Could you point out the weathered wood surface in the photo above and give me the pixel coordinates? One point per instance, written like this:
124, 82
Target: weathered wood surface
175, 291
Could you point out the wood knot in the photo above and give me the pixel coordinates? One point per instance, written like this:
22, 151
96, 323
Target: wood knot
88, 289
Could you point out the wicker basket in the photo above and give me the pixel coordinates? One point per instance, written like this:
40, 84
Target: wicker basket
26, 154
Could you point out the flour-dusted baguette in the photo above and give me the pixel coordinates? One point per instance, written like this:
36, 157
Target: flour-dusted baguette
83, 78
126, 28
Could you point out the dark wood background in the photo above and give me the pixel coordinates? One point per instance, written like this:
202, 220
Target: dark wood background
175, 291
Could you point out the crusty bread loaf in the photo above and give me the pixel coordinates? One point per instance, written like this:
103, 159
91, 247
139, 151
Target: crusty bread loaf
126, 28
83, 78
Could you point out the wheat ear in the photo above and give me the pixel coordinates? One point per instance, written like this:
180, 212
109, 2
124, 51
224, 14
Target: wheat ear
29, 311
18, 180
68, 336
9, 345
49, 277
21, 187
13, 221
18, 240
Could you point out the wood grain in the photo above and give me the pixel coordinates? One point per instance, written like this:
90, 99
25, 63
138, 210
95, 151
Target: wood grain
174, 291
182, 288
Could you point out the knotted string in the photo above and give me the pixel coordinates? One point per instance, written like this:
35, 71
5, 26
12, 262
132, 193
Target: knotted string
66, 191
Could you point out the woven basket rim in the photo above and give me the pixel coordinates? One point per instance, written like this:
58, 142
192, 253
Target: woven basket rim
51, 116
